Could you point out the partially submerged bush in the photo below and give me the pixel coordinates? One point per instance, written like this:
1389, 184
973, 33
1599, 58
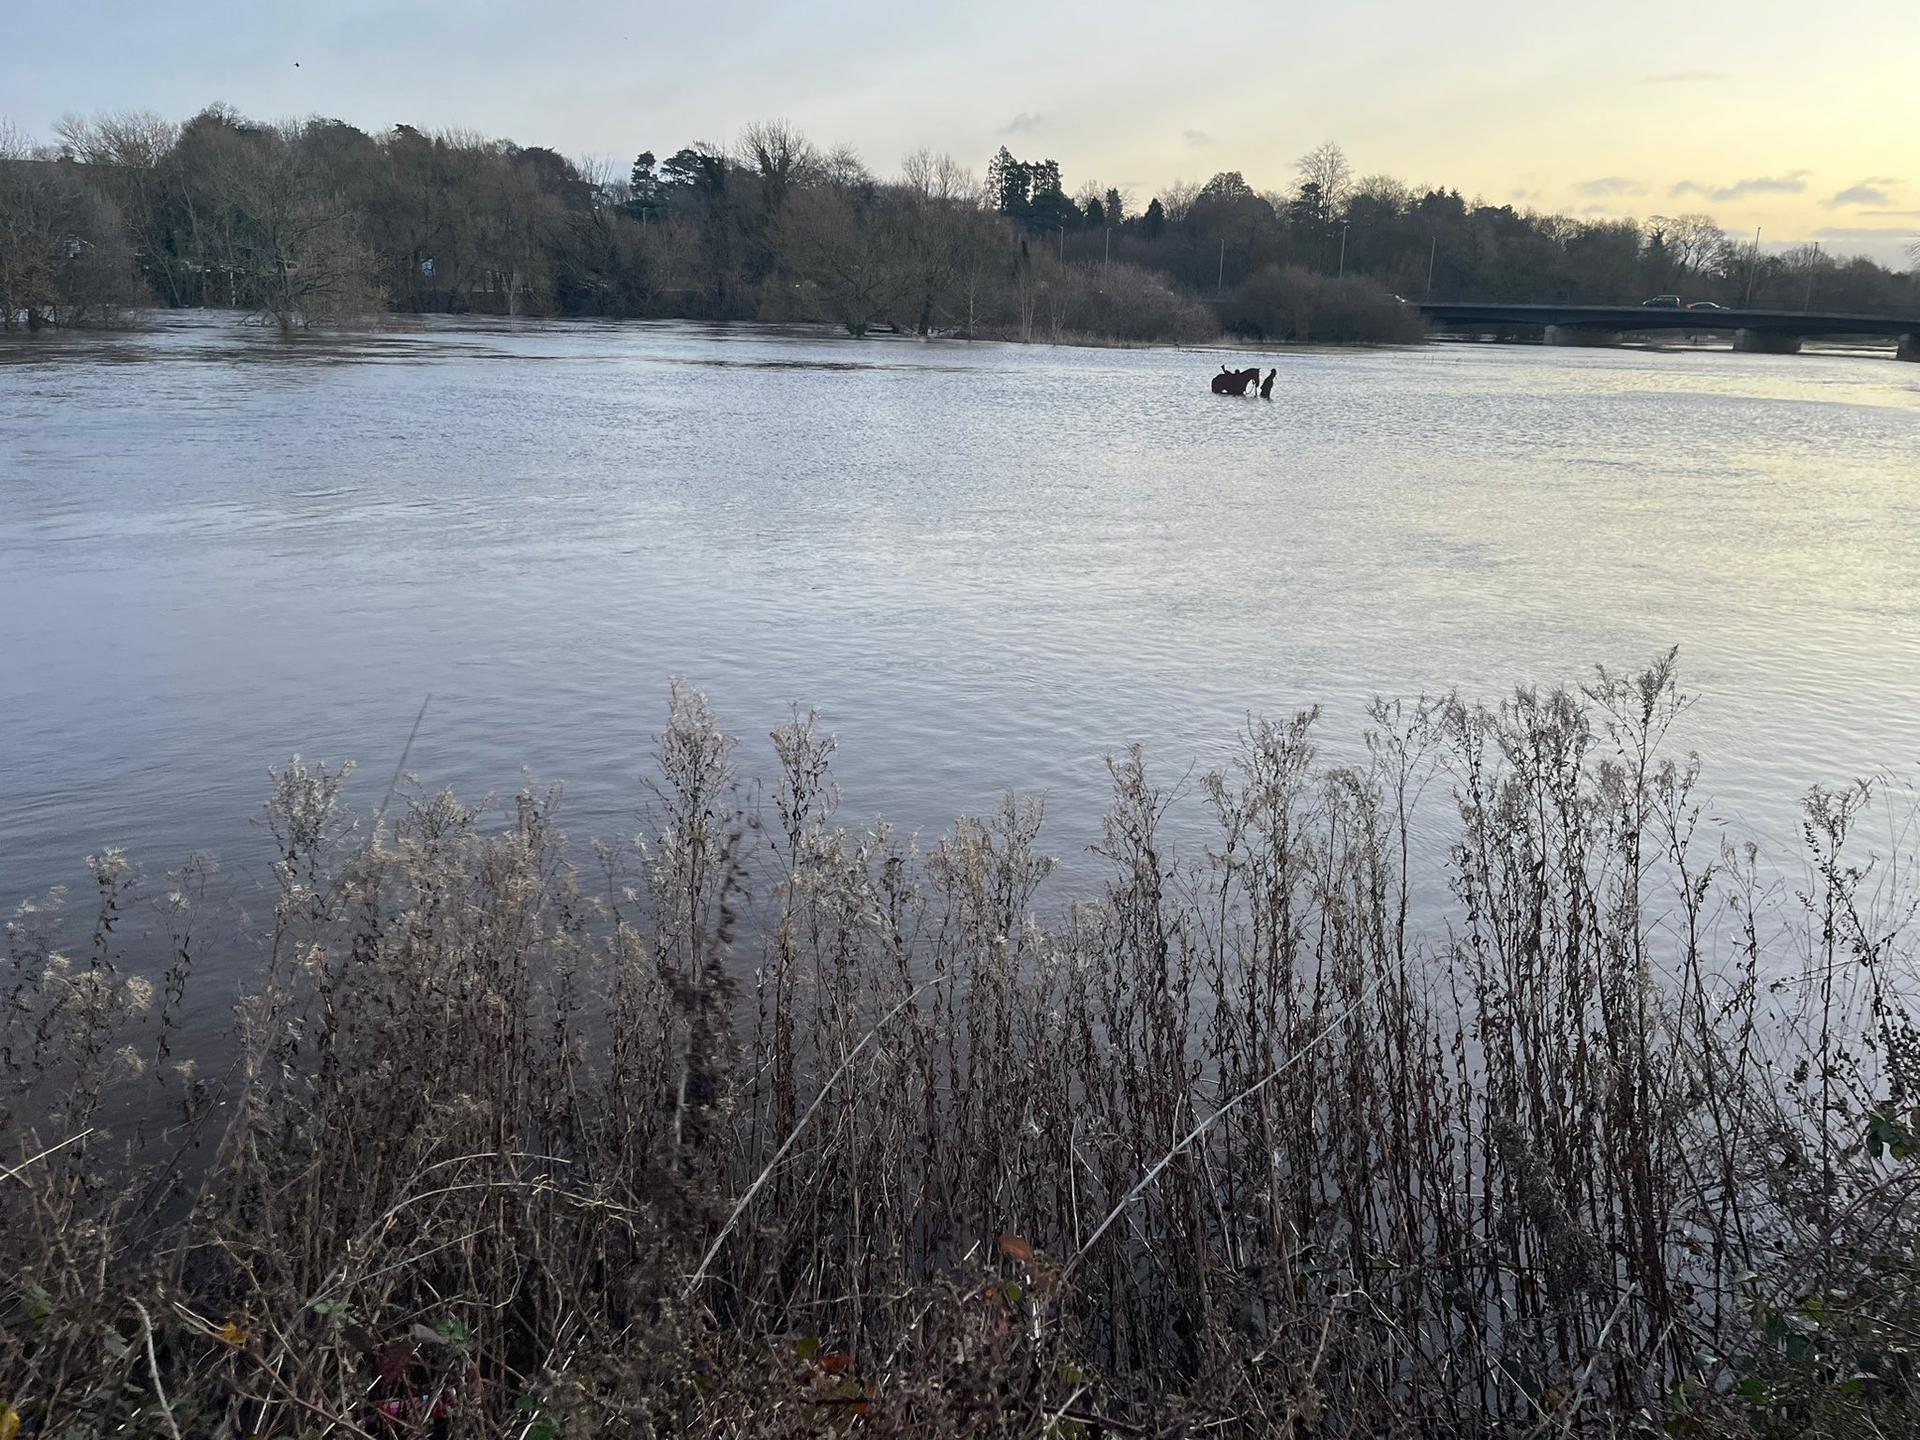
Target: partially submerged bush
1131, 305
1295, 304
764, 1126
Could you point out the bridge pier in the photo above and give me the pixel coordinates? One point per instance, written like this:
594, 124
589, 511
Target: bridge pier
1909, 347
1579, 335
1765, 342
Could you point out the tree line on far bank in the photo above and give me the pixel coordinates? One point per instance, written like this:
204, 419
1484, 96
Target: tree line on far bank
317, 221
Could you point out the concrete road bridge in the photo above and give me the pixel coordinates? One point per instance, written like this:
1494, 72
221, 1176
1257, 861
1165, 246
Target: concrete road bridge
1769, 332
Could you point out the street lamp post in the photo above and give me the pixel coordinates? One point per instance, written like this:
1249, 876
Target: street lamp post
1343, 253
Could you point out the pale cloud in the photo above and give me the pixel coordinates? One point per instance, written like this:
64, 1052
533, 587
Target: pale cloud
1864, 232
1794, 182
1885, 243
1683, 77
1874, 190
1611, 185
1024, 123
1196, 139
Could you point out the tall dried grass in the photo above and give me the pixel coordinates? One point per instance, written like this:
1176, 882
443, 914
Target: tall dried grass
762, 1125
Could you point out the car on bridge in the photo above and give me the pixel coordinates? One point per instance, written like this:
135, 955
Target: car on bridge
1665, 302
1704, 305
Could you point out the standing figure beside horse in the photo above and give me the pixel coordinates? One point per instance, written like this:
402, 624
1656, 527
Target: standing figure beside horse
1235, 382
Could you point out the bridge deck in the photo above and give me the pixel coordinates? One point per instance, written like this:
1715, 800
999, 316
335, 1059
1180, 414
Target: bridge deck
1469, 315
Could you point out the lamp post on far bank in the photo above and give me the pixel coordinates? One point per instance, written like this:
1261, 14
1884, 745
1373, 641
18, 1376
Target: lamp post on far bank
1343, 253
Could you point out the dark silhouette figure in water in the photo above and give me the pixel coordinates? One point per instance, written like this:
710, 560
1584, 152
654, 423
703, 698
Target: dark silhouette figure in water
1266, 385
1235, 382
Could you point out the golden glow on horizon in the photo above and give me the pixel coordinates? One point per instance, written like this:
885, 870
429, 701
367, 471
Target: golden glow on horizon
1794, 121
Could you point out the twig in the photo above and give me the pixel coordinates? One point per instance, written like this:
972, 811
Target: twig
1046, 1426
401, 764
14, 1172
153, 1368
754, 1189
1599, 1349
1207, 1124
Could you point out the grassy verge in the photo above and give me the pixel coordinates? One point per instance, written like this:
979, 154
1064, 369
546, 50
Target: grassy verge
764, 1126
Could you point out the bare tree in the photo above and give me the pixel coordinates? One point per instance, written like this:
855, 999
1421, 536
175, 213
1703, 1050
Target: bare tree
782, 158
1058, 297
516, 222
1692, 240
1177, 199
1028, 285
843, 169
293, 245
63, 253
984, 248
1326, 166
938, 203
28, 226
132, 157
846, 248
1385, 190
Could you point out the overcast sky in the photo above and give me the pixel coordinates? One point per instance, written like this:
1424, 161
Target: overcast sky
1794, 117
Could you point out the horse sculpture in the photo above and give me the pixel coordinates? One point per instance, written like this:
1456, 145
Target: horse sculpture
1235, 382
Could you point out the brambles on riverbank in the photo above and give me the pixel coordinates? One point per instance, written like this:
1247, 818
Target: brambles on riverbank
762, 1126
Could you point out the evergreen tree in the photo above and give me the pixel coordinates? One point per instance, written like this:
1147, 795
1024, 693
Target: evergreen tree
643, 183
1009, 185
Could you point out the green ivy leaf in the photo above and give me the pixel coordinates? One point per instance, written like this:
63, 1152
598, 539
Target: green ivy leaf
1887, 1136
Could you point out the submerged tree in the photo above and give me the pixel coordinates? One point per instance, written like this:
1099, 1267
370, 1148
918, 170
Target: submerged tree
938, 220
847, 251
63, 254
291, 241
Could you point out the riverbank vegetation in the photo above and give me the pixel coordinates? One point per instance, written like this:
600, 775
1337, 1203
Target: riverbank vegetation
306, 222
765, 1125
